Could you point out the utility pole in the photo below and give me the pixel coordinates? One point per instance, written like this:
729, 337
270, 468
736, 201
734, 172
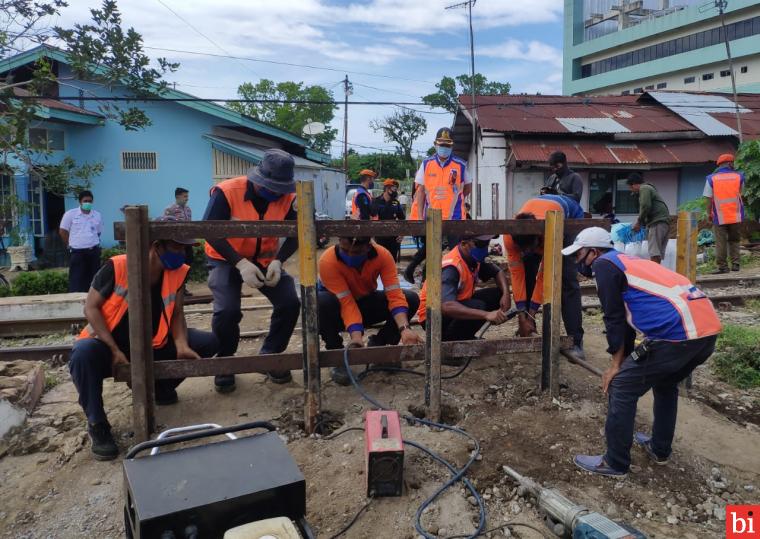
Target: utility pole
347, 90
721, 5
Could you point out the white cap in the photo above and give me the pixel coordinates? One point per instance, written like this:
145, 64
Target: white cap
590, 237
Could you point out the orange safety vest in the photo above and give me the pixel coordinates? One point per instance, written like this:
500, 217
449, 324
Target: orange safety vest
443, 188
115, 306
467, 280
262, 250
727, 197
355, 213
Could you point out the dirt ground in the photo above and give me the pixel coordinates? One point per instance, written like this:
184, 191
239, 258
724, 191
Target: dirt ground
51, 487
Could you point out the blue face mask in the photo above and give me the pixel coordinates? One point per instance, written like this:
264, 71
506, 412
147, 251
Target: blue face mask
266, 194
585, 269
479, 254
354, 261
172, 261
444, 152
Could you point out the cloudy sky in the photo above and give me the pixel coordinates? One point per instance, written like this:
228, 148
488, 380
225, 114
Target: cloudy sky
392, 50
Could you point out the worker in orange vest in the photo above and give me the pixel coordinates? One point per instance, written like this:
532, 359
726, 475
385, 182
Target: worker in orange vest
104, 343
388, 208
723, 189
265, 194
361, 205
444, 183
349, 300
679, 328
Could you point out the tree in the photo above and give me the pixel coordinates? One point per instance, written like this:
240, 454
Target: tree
748, 161
449, 89
387, 165
402, 127
319, 106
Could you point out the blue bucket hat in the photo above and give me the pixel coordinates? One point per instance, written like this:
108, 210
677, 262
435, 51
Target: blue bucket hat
275, 172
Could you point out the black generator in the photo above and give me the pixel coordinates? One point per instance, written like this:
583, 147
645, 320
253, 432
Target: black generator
202, 491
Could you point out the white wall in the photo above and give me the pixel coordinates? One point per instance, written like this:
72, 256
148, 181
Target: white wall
492, 171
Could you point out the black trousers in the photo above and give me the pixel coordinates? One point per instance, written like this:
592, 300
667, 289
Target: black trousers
83, 265
485, 299
391, 244
374, 309
90, 364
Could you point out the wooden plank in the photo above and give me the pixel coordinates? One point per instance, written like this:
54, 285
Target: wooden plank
552, 307
140, 325
686, 257
190, 368
307, 267
434, 235
236, 229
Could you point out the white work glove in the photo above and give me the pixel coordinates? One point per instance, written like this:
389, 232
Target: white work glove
274, 271
250, 273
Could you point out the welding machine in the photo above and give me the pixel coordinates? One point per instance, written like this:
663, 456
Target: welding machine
384, 453
202, 491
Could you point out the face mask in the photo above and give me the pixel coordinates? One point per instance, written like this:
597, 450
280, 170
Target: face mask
444, 152
393, 194
354, 261
479, 254
266, 194
371, 185
172, 261
585, 269
86, 206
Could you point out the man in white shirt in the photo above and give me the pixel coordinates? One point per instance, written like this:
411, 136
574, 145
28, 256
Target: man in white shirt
80, 230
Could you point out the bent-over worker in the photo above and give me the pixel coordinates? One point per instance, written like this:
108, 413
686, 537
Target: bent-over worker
653, 214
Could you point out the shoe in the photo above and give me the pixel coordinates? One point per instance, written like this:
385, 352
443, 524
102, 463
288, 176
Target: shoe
340, 376
574, 354
645, 442
719, 271
187, 293
166, 396
280, 377
224, 383
409, 273
596, 464
103, 445
735, 268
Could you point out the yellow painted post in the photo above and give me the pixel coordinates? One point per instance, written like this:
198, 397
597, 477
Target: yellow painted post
307, 266
433, 241
686, 256
552, 307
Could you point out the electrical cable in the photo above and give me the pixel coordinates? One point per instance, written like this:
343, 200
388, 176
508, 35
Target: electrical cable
362, 375
353, 520
341, 433
543, 533
457, 475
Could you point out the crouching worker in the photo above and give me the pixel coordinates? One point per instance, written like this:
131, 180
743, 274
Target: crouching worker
348, 298
679, 326
104, 343
464, 310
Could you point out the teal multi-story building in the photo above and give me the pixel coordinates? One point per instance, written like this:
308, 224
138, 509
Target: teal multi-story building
633, 46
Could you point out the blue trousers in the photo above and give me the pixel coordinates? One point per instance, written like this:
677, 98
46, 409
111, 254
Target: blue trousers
83, 265
666, 365
90, 364
225, 283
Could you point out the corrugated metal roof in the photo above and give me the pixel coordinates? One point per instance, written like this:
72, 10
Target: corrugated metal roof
592, 125
253, 152
628, 154
697, 109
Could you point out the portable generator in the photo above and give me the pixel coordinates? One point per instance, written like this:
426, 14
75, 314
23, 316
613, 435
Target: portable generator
202, 491
384, 453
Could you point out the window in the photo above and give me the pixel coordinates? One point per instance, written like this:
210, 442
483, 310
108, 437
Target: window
638, 90
725, 73
662, 85
626, 92
689, 80
46, 139
36, 194
744, 69
625, 202
139, 161
607, 188
650, 87
708, 76
7, 190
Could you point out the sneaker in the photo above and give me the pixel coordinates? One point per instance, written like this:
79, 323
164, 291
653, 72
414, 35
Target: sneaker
735, 268
574, 354
224, 383
645, 442
409, 273
103, 445
166, 396
596, 464
280, 377
340, 376
719, 271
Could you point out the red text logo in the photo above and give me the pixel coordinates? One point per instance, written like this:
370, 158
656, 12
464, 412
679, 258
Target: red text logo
743, 522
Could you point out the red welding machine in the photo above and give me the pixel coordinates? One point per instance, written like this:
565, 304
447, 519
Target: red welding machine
384, 453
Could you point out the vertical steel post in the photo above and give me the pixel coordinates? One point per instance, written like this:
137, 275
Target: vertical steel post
552, 307
433, 241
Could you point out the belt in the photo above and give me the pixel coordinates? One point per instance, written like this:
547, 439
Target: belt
86, 249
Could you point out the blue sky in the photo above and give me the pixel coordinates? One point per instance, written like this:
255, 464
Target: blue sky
515, 41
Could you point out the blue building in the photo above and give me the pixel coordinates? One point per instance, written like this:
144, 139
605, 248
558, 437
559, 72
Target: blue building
192, 144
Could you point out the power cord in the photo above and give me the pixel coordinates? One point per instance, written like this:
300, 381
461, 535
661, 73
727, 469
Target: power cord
356, 516
362, 375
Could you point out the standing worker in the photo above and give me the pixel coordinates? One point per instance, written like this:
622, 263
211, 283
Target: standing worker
361, 205
723, 188
464, 309
563, 181
443, 183
653, 214
80, 230
388, 208
525, 260
679, 326
349, 300
180, 211
266, 194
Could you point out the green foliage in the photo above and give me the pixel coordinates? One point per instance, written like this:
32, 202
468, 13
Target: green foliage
402, 127
748, 161
106, 254
199, 268
38, 283
698, 205
737, 356
290, 116
449, 89
746, 261
385, 164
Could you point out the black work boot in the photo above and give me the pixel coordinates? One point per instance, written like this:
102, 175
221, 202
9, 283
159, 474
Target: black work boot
224, 383
103, 446
280, 377
340, 376
417, 259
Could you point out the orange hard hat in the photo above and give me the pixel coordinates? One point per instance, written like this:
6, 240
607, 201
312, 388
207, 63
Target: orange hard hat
368, 172
390, 182
725, 158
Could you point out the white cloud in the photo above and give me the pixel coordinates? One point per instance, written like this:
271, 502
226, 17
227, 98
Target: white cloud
532, 51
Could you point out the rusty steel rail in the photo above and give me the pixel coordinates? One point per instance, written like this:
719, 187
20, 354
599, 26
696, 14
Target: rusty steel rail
704, 282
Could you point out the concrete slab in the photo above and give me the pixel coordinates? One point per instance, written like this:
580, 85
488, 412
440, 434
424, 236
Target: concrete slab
46, 307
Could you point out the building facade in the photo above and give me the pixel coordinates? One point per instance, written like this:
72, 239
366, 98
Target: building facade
614, 47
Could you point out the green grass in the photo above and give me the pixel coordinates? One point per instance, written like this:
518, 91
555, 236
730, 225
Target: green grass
51, 380
737, 356
753, 305
747, 261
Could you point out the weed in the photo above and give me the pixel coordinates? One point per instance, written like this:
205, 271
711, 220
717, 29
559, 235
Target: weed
737, 356
51, 380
